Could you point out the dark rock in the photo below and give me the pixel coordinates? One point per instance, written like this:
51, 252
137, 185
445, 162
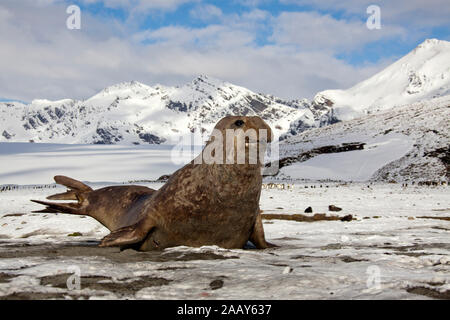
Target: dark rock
308, 210
75, 234
348, 259
33, 123
59, 112
108, 136
150, 138
177, 106
332, 207
6, 134
442, 154
105, 135
216, 284
304, 156
430, 292
257, 106
42, 118
348, 217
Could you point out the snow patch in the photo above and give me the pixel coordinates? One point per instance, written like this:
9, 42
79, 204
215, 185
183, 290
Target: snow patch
358, 165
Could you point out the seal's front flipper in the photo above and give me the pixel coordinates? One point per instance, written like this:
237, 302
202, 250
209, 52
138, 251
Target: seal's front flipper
127, 235
257, 236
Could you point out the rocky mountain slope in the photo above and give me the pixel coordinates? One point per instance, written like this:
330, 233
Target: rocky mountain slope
136, 113
422, 74
408, 143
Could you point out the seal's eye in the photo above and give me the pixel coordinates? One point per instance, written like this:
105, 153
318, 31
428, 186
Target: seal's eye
239, 123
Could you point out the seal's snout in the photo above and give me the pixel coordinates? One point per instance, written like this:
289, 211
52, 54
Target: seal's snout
269, 132
265, 134
243, 139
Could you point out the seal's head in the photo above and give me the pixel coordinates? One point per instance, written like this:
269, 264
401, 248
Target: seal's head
238, 140
245, 124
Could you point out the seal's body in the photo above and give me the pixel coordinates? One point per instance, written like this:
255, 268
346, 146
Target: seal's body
200, 204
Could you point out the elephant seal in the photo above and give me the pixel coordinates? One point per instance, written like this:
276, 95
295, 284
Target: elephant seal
203, 203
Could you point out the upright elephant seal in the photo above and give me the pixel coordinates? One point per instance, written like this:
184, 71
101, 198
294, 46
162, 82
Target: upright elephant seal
213, 200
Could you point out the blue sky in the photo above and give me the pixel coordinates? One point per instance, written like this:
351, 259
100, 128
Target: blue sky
371, 52
290, 48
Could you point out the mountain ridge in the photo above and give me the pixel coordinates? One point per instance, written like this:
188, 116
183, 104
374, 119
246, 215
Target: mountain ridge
422, 74
409, 143
135, 113
126, 112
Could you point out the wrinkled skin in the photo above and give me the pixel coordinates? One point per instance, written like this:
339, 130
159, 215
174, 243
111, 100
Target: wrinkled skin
201, 204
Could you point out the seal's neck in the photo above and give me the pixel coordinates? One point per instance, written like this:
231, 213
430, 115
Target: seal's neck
235, 171
231, 179
235, 181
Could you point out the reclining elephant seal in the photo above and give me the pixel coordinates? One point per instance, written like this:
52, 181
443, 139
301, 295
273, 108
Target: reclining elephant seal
203, 203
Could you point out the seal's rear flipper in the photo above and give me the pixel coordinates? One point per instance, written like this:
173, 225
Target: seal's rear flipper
72, 183
46, 210
53, 207
69, 195
77, 191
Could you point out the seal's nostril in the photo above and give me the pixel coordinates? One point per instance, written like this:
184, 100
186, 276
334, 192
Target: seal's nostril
239, 123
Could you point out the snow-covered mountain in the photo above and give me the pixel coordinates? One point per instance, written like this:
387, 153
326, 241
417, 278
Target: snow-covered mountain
422, 74
136, 113
408, 143
392, 126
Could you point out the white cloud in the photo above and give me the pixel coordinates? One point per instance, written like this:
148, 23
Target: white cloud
415, 14
314, 31
40, 58
142, 5
251, 3
206, 12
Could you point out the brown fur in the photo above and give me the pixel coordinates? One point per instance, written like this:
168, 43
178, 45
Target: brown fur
201, 204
